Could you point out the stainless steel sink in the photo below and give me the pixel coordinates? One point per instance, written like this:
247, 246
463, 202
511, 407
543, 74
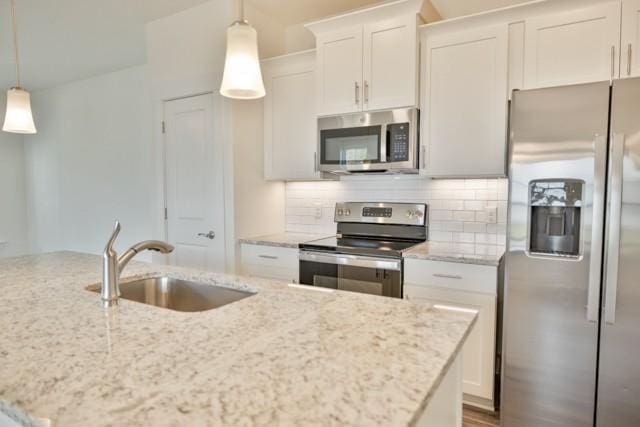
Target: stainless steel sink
177, 294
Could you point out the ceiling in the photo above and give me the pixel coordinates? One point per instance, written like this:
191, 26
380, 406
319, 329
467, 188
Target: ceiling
67, 40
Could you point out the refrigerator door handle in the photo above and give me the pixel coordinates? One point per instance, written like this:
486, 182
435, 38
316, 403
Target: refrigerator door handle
613, 233
595, 264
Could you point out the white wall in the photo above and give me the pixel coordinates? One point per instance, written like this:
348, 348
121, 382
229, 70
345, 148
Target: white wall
186, 57
13, 211
91, 163
457, 208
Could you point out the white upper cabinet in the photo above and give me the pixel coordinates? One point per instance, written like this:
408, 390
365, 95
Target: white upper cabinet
630, 47
390, 64
368, 60
464, 102
577, 46
290, 122
340, 71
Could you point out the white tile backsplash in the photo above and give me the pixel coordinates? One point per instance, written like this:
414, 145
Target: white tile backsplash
457, 207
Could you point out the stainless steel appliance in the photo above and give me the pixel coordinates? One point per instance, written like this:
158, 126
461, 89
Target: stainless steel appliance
572, 293
380, 141
366, 254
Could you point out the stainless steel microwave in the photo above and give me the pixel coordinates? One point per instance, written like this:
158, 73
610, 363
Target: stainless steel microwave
379, 141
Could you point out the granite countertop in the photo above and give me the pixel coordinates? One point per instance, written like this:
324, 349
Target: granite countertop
438, 251
285, 356
283, 240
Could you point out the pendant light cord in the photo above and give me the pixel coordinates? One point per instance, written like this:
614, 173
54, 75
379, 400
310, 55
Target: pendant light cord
15, 40
241, 10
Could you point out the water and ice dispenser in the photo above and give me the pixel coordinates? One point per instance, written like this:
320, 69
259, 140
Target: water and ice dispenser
554, 223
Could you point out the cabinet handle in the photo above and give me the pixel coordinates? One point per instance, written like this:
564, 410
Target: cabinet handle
315, 161
357, 91
447, 276
613, 61
423, 155
268, 256
629, 59
366, 92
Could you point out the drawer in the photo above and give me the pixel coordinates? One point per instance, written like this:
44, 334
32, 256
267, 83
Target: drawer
270, 256
452, 275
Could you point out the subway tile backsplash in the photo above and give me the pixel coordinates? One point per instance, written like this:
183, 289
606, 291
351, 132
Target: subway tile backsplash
468, 215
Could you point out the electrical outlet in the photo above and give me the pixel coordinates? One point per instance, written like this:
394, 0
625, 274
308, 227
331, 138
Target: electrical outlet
491, 214
317, 210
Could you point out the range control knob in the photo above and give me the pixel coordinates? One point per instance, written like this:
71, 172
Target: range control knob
339, 212
347, 212
409, 214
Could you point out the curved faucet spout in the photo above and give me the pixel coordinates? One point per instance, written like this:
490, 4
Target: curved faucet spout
151, 245
112, 266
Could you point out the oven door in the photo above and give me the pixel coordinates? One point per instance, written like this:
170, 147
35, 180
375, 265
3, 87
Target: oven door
355, 273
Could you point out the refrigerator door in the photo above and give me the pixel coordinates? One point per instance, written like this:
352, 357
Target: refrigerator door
619, 373
558, 148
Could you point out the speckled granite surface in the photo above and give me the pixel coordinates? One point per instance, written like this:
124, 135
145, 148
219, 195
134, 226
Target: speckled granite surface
284, 356
439, 251
284, 240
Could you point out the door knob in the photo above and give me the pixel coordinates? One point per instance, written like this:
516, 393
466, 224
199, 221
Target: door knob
210, 235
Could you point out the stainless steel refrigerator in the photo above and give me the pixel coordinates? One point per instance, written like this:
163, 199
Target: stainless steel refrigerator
571, 351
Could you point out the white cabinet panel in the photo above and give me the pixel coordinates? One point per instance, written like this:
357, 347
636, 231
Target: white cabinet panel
464, 103
390, 63
340, 71
573, 47
630, 47
478, 354
290, 117
467, 287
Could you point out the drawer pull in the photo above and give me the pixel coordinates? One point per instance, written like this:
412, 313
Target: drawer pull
268, 256
447, 276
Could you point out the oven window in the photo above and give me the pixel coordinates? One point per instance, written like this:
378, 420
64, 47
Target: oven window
354, 279
351, 145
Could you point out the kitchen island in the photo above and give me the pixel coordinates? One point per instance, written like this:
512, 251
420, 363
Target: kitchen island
284, 356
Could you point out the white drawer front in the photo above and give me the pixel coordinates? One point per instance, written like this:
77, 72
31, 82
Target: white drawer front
270, 256
451, 275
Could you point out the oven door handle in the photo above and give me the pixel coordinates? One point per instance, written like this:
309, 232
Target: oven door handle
352, 260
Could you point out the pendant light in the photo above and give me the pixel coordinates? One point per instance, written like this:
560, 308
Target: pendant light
242, 77
18, 118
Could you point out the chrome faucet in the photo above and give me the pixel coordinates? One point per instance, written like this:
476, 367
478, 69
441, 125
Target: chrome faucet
112, 265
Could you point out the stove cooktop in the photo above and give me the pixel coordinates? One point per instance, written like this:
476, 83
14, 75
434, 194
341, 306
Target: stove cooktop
362, 246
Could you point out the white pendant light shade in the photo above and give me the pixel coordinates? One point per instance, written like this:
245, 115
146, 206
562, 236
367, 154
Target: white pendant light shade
242, 77
18, 118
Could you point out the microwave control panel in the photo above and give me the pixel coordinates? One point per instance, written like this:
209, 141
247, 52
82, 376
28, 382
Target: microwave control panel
398, 134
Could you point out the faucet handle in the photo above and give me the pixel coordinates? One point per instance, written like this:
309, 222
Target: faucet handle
112, 239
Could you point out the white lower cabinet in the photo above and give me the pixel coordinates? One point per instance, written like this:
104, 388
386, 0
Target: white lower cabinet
270, 262
463, 286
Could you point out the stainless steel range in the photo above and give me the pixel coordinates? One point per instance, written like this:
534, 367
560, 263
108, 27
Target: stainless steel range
366, 254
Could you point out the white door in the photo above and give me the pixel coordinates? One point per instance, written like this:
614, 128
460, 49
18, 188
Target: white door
194, 184
572, 47
290, 123
390, 64
630, 53
464, 103
339, 57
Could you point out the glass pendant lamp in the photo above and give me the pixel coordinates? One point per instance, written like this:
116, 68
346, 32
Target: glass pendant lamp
242, 77
18, 118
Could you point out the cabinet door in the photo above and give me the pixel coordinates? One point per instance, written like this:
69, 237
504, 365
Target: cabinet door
390, 64
573, 47
340, 71
464, 103
290, 118
630, 55
478, 353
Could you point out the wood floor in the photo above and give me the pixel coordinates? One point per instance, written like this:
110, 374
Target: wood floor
476, 418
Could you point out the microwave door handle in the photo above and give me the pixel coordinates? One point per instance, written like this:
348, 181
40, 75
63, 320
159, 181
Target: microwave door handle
383, 143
